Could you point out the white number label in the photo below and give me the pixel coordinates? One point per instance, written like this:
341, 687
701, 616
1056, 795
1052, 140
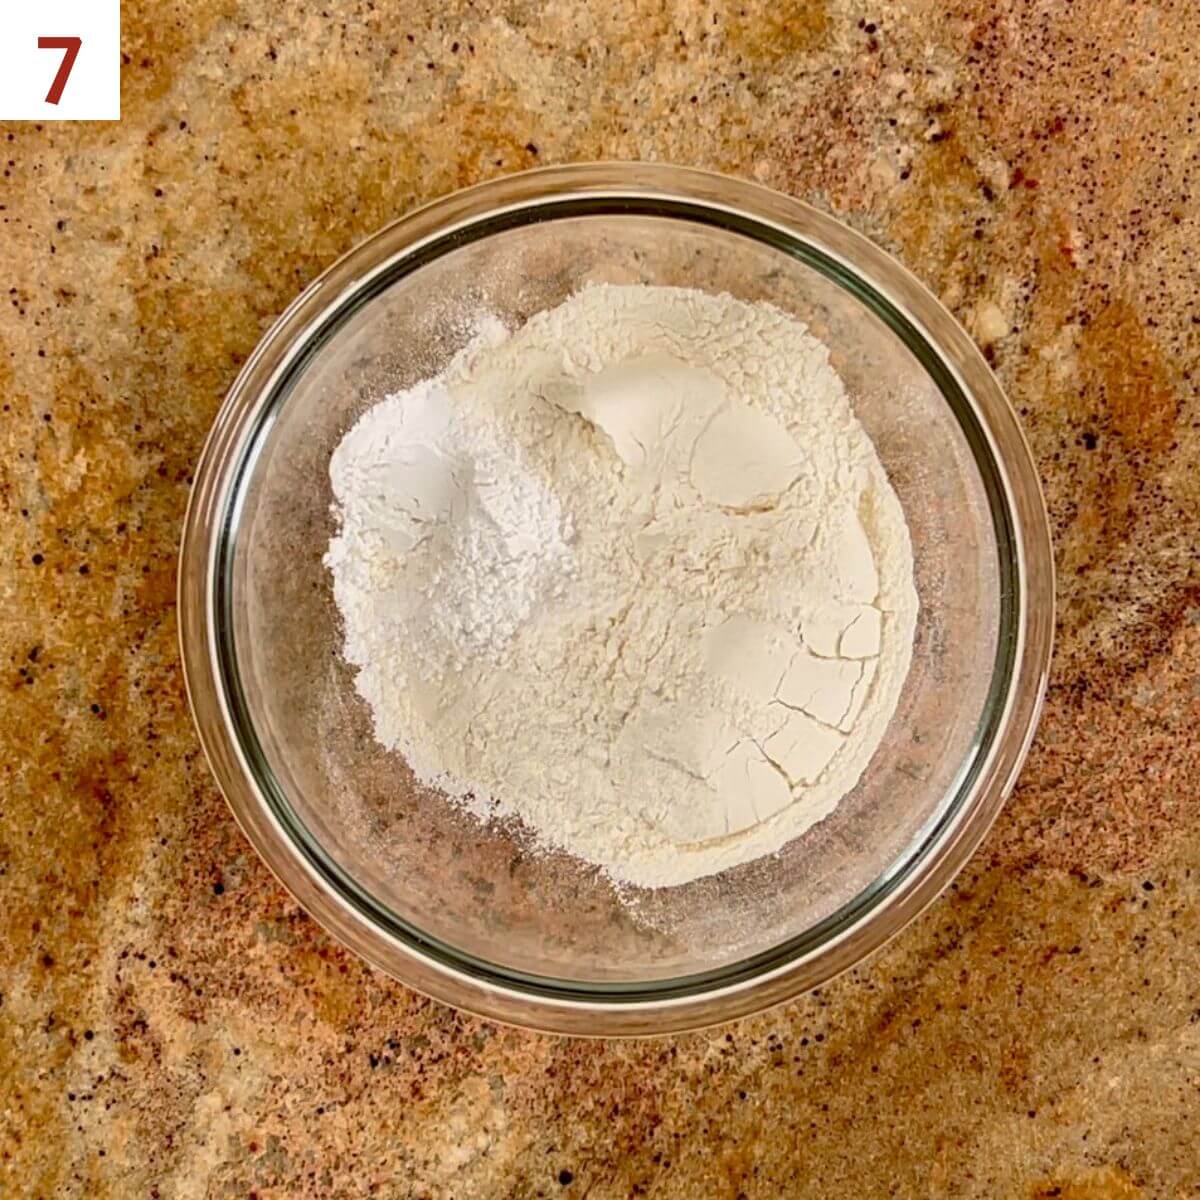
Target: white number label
60, 60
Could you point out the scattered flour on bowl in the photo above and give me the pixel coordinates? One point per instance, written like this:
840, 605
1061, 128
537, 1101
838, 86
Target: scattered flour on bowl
633, 574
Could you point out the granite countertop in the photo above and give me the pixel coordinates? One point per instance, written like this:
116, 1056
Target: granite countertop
171, 1025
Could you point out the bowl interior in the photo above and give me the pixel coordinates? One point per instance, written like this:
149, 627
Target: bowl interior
484, 897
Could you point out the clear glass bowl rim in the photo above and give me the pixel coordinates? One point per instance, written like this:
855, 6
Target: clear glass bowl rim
847, 936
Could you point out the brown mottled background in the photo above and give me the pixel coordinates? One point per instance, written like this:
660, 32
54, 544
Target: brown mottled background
171, 1024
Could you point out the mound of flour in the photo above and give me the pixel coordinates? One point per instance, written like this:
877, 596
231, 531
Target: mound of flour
633, 574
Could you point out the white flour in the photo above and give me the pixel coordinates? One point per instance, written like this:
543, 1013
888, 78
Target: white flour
633, 574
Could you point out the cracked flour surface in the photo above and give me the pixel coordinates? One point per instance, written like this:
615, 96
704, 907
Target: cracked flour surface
633, 574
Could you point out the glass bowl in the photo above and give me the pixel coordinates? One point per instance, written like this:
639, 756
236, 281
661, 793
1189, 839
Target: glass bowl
471, 914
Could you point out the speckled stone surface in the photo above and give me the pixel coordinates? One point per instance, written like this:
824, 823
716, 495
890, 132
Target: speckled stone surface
170, 1023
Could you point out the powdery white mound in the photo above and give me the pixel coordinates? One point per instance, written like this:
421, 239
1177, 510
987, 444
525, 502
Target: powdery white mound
633, 574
